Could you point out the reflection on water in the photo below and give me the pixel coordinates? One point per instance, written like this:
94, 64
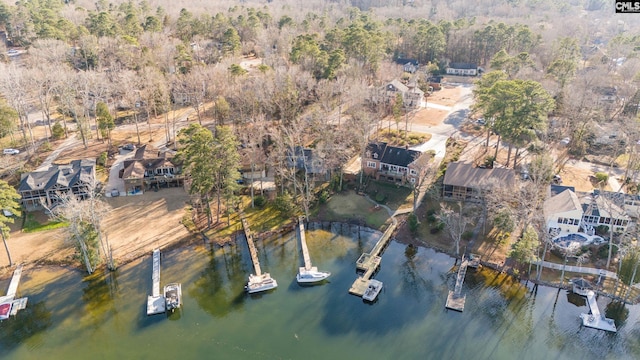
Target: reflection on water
71, 317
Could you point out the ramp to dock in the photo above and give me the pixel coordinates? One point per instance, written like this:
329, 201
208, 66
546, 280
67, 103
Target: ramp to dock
155, 302
15, 280
369, 262
596, 320
455, 298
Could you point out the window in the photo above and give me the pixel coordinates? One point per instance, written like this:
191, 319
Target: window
413, 172
371, 164
413, 180
394, 168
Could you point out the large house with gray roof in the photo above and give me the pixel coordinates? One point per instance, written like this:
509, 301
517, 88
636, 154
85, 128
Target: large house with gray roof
44, 188
150, 172
399, 165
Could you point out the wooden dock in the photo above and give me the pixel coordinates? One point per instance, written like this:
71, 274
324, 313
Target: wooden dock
369, 263
260, 281
252, 246
455, 299
303, 244
155, 302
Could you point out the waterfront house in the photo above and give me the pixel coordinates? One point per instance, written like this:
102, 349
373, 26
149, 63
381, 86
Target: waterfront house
150, 172
44, 187
569, 212
399, 165
464, 182
562, 213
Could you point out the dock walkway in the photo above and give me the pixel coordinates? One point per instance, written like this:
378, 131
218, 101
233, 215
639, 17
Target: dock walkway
252, 246
369, 262
155, 302
260, 281
596, 320
455, 299
303, 244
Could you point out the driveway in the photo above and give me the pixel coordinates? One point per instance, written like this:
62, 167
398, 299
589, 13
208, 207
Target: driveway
115, 182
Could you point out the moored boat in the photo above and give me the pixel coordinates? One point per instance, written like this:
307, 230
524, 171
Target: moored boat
312, 275
5, 310
373, 289
258, 283
173, 296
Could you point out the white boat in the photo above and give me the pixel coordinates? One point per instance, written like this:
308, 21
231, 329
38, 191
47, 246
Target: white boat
173, 296
312, 275
373, 290
258, 283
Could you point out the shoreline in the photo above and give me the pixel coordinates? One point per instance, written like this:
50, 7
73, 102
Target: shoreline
318, 224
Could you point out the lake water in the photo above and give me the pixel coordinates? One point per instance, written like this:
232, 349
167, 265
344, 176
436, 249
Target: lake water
69, 317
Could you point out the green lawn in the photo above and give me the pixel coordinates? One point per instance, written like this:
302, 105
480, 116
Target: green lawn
392, 195
351, 206
33, 225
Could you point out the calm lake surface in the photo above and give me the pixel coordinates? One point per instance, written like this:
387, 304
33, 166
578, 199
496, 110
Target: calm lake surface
69, 317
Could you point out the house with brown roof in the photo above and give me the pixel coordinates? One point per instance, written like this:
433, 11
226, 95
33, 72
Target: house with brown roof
150, 172
399, 165
465, 182
44, 188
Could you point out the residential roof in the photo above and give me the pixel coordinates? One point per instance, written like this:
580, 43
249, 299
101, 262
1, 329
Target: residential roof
600, 206
466, 175
135, 168
396, 85
563, 202
403, 61
463, 65
61, 175
391, 154
557, 189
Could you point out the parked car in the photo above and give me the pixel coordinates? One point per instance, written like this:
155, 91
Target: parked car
129, 147
481, 121
11, 151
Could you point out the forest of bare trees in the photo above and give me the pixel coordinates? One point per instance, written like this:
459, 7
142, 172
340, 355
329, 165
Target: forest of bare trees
318, 63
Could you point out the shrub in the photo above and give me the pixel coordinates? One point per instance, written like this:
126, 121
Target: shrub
467, 235
380, 198
603, 252
437, 228
602, 230
601, 177
259, 201
324, 196
284, 204
57, 131
413, 223
102, 159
